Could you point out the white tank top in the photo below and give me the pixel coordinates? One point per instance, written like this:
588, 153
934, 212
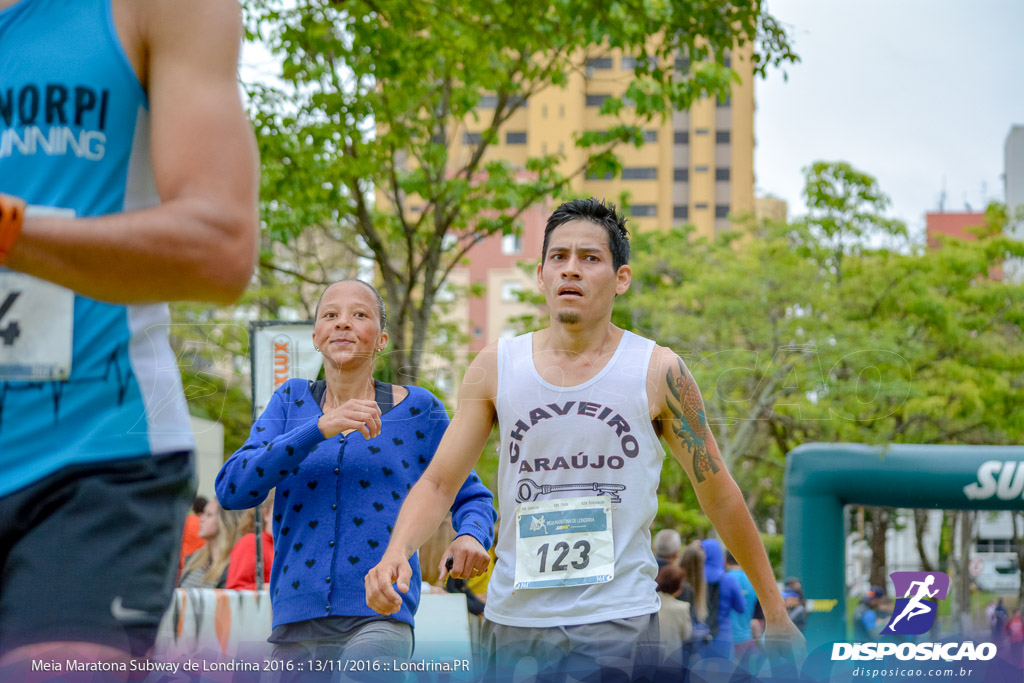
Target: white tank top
597, 433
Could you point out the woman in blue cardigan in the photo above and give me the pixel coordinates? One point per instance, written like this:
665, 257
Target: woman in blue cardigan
343, 453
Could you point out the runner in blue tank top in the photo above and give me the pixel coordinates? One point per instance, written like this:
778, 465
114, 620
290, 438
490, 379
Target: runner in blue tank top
122, 131
580, 407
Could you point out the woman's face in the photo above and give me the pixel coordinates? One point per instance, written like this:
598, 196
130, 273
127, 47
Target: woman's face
209, 521
347, 327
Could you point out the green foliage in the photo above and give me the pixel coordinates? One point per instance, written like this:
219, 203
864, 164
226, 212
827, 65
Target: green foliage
210, 351
907, 346
375, 97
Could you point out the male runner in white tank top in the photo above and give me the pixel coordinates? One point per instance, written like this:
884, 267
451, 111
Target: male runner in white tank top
580, 407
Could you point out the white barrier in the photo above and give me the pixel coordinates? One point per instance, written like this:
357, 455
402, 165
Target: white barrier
217, 624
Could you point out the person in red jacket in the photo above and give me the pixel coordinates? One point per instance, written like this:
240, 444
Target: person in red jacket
242, 566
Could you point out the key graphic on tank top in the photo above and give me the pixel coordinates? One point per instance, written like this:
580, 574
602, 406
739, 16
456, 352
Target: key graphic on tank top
529, 490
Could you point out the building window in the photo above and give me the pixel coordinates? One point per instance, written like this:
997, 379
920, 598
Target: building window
516, 101
510, 290
681, 175
727, 60
437, 139
681, 211
511, 243
650, 136
721, 174
643, 210
591, 175
599, 62
700, 169
719, 102
721, 210
640, 173
596, 100
515, 138
681, 137
701, 206
471, 138
628, 62
701, 131
488, 102
722, 137
682, 64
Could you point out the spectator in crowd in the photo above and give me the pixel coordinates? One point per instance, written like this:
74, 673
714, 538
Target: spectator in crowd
744, 644
724, 598
794, 584
242, 568
1015, 634
694, 593
674, 620
220, 529
666, 546
866, 622
998, 622
343, 452
795, 608
190, 539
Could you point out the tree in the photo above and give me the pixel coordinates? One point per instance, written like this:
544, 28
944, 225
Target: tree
374, 92
909, 346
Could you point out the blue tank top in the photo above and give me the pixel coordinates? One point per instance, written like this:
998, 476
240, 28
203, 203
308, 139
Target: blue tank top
74, 134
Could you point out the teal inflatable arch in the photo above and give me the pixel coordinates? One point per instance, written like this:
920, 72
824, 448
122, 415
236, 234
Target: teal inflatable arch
822, 478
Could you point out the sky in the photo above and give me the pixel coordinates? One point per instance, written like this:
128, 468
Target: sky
920, 94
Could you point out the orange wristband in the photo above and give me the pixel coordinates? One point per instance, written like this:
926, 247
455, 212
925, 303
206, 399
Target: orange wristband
12, 211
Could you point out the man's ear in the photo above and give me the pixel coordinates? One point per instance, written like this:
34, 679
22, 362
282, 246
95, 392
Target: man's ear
623, 277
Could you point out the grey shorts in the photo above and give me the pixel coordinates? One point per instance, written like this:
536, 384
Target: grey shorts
614, 650
381, 640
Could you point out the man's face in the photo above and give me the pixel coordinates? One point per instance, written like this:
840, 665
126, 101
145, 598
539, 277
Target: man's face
577, 277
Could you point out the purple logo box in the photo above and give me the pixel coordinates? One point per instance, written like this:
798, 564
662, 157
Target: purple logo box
917, 596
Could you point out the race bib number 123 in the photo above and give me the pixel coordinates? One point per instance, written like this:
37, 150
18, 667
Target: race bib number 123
564, 542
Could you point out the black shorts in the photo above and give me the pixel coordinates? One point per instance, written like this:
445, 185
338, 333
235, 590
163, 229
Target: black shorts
90, 553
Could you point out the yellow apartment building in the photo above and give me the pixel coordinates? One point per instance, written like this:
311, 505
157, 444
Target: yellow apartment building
696, 167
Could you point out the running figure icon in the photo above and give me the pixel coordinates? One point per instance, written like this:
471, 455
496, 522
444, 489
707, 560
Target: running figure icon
914, 607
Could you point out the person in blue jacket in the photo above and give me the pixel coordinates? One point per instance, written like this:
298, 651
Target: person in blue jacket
730, 599
343, 453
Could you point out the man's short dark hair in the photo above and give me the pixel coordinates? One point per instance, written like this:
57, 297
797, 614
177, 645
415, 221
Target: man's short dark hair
199, 504
599, 213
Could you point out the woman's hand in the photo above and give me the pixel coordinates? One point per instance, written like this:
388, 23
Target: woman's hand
355, 414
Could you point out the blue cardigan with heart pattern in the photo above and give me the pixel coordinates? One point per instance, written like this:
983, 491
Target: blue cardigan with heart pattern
337, 499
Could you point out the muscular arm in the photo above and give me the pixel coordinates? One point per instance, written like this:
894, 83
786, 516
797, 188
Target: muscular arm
429, 500
684, 426
200, 242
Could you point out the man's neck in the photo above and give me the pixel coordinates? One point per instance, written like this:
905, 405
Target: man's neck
577, 340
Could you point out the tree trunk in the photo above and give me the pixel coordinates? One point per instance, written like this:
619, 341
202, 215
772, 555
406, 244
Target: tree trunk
1018, 543
920, 526
961, 580
880, 518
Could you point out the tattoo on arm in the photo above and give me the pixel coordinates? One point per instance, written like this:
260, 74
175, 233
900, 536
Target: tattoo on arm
690, 423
